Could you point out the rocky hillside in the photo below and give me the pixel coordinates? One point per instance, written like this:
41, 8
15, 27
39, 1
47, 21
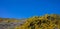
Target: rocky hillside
7, 23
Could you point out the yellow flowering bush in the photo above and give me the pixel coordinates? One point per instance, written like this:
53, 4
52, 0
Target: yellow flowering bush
42, 22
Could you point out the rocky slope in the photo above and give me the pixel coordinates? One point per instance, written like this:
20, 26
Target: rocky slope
6, 23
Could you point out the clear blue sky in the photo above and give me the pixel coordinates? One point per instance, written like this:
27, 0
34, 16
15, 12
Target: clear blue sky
28, 8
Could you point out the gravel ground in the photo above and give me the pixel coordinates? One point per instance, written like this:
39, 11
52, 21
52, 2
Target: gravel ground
11, 25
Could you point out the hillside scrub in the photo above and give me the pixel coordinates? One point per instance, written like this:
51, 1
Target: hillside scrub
42, 22
51, 21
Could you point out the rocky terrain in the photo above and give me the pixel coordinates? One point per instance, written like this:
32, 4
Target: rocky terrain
10, 23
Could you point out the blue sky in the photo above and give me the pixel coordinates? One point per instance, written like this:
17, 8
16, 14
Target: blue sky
28, 8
